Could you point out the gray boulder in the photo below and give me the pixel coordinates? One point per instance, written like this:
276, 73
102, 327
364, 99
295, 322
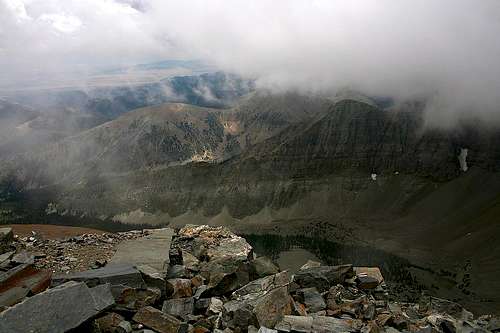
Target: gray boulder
56, 310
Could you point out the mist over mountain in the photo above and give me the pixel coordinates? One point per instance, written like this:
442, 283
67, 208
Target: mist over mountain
367, 123
400, 49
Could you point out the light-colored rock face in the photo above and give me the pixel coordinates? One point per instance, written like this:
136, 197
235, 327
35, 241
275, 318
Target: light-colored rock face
462, 158
220, 243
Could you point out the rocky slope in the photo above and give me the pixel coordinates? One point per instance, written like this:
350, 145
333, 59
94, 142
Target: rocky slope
214, 282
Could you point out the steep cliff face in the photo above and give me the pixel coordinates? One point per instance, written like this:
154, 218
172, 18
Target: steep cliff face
269, 151
355, 135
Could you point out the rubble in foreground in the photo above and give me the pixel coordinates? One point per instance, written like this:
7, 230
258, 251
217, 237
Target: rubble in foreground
214, 283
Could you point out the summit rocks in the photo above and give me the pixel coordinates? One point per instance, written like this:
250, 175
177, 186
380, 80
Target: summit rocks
215, 283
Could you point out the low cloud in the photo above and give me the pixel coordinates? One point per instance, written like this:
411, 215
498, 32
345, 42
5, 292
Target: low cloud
446, 49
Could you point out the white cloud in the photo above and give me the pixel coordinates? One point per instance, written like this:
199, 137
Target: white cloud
62, 23
447, 48
17, 9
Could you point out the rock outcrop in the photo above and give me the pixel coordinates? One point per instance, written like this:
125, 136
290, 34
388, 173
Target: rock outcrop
217, 284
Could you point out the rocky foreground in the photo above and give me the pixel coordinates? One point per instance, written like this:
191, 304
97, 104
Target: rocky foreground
213, 282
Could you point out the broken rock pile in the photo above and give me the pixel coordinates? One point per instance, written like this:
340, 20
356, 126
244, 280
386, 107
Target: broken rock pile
216, 283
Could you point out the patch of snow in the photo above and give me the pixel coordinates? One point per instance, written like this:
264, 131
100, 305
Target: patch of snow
462, 158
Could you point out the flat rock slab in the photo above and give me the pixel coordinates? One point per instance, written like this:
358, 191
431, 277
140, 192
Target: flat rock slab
115, 274
24, 280
151, 250
56, 310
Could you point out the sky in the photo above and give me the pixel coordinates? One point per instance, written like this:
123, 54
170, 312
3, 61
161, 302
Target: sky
446, 49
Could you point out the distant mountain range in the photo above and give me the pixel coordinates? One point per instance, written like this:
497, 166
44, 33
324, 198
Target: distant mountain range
341, 167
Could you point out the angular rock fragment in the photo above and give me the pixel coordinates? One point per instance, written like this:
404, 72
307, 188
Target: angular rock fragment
56, 310
328, 324
215, 306
373, 272
21, 281
295, 324
5, 258
225, 276
366, 282
323, 277
261, 267
6, 238
312, 299
222, 256
180, 288
103, 296
157, 320
262, 302
134, 298
200, 291
124, 327
177, 272
109, 322
266, 330
154, 279
263, 285
175, 256
23, 258
434, 304
115, 274
317, 324
310, 264
190, 261
179, 307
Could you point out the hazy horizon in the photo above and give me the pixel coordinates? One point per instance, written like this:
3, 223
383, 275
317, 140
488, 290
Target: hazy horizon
445, 50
